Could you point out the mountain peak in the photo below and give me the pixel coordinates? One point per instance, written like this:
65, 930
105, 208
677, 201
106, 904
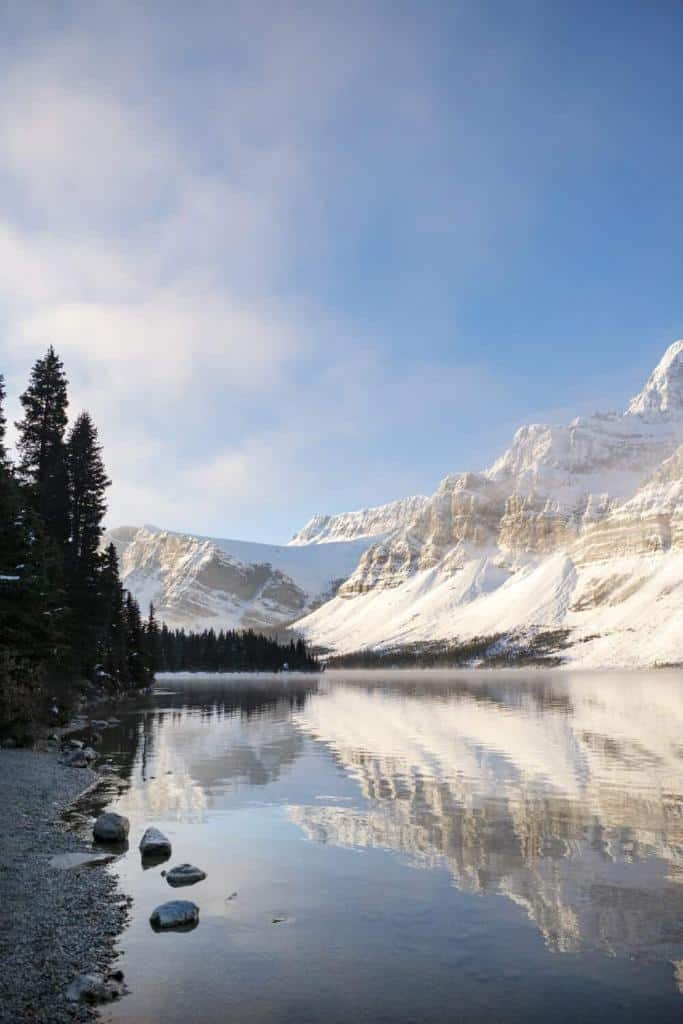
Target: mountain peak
662, 396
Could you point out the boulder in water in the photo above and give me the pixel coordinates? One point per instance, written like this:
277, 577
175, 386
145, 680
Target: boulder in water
185, 874
111, 828
155, 844
175, 914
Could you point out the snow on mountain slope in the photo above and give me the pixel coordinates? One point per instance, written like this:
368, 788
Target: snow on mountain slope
662, 396
201, 581
576, 527
367, 522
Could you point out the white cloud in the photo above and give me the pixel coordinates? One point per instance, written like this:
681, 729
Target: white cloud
162, 183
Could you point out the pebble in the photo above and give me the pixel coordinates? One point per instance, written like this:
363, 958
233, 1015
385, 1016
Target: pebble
64, 921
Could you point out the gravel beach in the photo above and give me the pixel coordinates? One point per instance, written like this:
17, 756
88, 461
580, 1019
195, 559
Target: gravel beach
56, 923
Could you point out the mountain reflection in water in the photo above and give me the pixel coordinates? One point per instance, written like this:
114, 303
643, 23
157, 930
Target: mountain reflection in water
566, 796
561, 794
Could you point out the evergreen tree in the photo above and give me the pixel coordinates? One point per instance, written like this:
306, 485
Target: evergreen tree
42, 465
3, 423
113, 633
153, 642
87, 482
135, 642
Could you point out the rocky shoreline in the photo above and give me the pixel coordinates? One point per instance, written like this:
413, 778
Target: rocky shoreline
58, 922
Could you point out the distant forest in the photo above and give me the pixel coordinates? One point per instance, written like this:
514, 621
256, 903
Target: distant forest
229, 651
65, 618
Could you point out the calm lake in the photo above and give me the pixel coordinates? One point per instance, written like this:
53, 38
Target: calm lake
407, 846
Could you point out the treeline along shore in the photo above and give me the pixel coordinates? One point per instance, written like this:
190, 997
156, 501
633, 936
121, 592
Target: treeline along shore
66, 621
229, 651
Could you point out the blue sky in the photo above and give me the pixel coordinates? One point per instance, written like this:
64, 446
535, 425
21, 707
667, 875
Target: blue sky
305, 257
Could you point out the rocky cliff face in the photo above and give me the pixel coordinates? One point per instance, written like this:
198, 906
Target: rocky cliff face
559, 500
200, 582
367, 522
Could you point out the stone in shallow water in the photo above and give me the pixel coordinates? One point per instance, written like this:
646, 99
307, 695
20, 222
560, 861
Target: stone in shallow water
111, 828
185, 874
80, 758
155, 844
93, 988
175, 914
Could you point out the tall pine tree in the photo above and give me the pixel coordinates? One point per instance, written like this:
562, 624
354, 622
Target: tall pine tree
135, 642
30, 616
3, 423
153, 642
42, 465
87, 481
113, 633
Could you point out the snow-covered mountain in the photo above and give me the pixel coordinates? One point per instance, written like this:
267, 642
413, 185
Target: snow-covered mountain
367, 522
199, 582
574, 527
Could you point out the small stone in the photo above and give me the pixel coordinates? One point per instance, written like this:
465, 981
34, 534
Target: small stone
175, 914
111, 828
185, 874
93, 988
76, 744
77, 759
155, 844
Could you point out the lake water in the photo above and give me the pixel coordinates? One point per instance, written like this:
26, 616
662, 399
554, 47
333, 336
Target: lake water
418, 846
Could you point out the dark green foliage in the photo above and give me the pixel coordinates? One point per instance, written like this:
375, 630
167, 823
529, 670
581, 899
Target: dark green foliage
87, 481
231, 651
496, 651
153, 642
112, 647
3, 422
139, 673
42, 466
64, 616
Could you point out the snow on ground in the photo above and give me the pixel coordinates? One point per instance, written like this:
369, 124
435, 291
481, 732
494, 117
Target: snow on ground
639, 623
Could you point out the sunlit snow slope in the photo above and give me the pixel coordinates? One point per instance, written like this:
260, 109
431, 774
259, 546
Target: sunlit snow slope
200, 582
574, 527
